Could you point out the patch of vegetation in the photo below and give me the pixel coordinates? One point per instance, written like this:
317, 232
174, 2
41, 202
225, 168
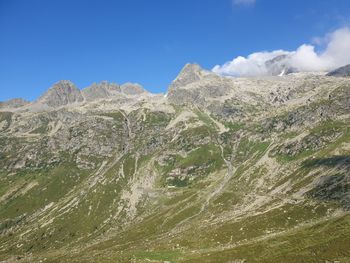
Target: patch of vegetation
129, 165
234, 126
49, 185
158, 118
171, 255
198, 163
117, 116
206, 119
40, 130
247, 148
325, 241
208, 155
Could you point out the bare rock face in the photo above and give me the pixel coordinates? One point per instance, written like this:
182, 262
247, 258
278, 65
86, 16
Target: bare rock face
340, 72
132, 89
62, 93
103, 90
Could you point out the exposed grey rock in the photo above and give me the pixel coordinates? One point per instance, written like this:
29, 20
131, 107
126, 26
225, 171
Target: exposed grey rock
340, 72
62, 93
132, 89
101, 90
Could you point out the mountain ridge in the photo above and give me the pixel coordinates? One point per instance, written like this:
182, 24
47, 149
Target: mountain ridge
190, 73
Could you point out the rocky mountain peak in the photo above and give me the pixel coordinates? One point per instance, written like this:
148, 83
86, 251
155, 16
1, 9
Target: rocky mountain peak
189, 74
61, 93
64, 84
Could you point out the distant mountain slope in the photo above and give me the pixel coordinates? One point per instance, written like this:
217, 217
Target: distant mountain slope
14, 103
340, 72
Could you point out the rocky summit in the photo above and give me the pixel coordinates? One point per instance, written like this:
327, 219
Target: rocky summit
219, 169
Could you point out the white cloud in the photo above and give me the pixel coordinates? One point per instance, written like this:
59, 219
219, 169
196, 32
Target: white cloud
243, 2
305, 58
253, 65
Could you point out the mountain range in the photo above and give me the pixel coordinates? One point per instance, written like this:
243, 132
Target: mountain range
218, 169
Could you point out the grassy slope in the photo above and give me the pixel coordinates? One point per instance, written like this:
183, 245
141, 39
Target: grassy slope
174, 228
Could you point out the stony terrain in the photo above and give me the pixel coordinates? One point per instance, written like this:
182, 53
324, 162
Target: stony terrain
218, 169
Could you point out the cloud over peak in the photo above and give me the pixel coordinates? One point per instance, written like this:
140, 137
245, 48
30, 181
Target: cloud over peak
305, 58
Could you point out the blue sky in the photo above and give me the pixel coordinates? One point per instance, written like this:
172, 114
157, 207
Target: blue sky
43, 41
